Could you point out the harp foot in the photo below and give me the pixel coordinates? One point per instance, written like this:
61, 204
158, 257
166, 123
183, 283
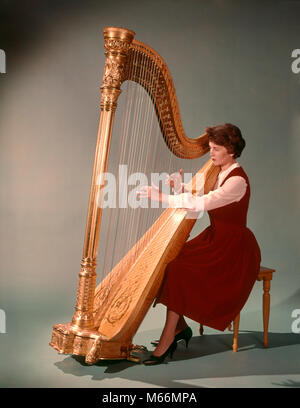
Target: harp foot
67, 339
93, 353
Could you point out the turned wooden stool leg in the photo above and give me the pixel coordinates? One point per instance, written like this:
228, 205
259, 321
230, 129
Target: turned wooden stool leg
266, 309
201, 329
236, 324
229, 326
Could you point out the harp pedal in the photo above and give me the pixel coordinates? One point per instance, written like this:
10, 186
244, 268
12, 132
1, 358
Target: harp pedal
135, 348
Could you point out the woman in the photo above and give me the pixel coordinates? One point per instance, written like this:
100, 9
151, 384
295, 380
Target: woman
212, 277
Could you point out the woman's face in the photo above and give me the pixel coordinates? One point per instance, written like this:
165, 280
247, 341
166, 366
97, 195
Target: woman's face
220, 155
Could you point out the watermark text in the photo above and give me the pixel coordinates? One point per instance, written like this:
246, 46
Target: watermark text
296, 63
2, 321
296, 323
122, 190
2, 62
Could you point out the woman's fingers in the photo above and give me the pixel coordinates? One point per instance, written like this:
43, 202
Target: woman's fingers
152, 192
154, 186
144, 191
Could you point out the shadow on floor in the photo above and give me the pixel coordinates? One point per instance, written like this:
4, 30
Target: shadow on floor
208, 356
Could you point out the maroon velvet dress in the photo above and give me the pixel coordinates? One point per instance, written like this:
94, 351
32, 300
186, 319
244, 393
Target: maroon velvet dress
212, 277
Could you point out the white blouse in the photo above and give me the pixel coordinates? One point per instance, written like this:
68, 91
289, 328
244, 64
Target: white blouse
232, 190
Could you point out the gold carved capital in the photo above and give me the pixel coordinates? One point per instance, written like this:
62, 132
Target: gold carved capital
117, 43
109, 98
113, 73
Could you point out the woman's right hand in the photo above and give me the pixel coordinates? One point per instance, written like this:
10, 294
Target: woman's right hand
175, 181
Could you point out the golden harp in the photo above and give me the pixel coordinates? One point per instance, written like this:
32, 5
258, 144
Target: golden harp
107, 316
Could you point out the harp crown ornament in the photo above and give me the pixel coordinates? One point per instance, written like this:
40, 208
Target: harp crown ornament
117, 42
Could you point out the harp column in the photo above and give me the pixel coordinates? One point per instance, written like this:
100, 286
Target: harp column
117, 43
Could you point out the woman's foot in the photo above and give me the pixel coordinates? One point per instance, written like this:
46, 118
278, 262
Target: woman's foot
185, 334
158, 359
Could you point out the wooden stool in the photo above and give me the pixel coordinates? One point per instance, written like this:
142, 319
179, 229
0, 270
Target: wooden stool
265, 274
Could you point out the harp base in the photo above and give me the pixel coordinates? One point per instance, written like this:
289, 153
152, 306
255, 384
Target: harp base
67, 339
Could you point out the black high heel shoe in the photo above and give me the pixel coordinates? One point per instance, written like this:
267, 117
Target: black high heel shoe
185, 335
154, 360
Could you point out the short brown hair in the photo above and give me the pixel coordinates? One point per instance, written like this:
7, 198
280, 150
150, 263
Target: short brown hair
227, 135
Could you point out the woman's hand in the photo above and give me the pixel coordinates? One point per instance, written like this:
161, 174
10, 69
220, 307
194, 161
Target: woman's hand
152, 192
175, 181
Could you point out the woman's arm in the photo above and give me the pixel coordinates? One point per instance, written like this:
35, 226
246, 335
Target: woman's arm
154, 193
232, 190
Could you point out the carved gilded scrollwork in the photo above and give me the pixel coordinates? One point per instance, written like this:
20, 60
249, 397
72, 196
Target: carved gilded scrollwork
109, 98
113, 74
83, 316
117, 44
111, 44
94, 351
119, 306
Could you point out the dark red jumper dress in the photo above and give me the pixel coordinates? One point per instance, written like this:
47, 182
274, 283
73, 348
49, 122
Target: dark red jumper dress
212, 277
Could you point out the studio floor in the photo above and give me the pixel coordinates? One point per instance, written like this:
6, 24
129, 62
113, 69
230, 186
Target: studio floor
27, 360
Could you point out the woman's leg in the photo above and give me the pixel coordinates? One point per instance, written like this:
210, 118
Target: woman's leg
168, 333
181, 325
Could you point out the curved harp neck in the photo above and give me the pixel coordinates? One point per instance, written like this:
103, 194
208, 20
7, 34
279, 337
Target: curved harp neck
146, 67
129, 59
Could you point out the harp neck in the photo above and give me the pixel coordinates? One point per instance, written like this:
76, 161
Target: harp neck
129, 59
146, 67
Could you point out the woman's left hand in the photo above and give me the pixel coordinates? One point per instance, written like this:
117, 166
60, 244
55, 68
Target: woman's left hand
152, 192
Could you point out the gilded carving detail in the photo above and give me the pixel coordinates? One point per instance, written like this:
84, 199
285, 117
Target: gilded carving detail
119, 306
114, 70
112, 44
93, 353
79, 345
123, 298
113, 74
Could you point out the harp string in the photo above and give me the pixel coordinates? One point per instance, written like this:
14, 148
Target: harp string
114, 216
127, 157
128, 145
134, 140
138, 132
142, 221
160, 161
145, 216
137, 150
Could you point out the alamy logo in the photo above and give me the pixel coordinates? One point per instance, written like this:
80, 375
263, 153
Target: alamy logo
2, 62
296, 323
114, 192
2, 321
296, 63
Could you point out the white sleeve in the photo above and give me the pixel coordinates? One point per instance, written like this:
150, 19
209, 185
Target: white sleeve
232, 190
